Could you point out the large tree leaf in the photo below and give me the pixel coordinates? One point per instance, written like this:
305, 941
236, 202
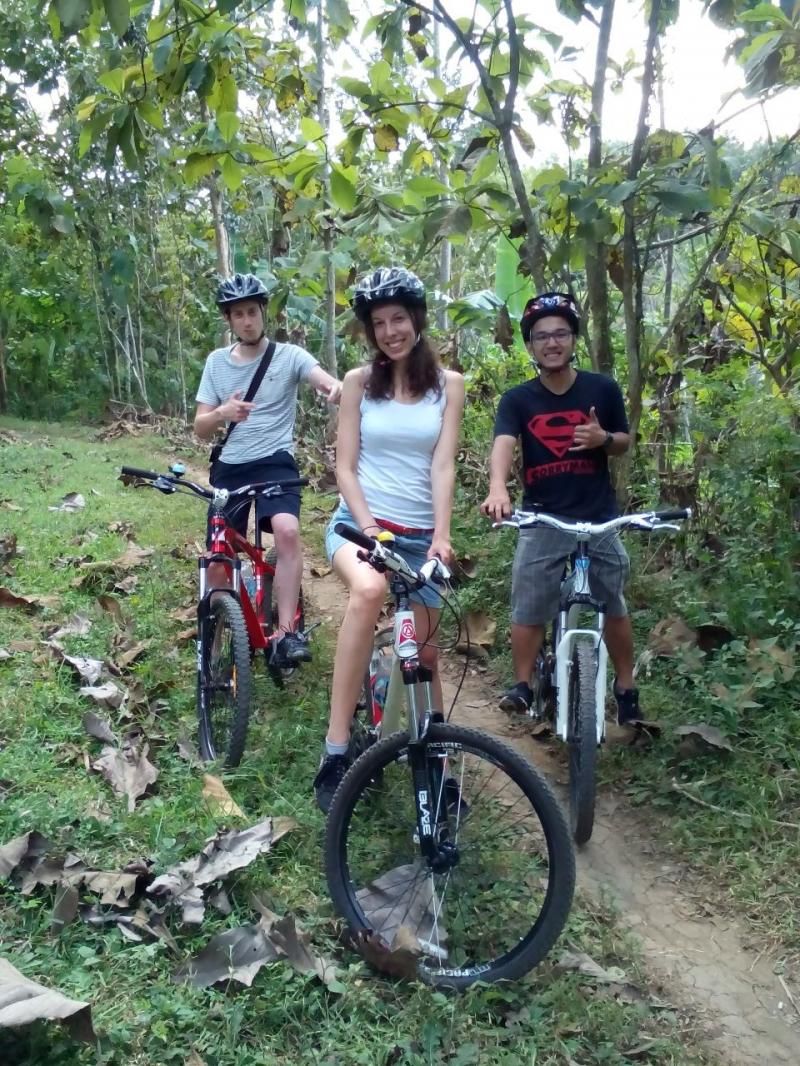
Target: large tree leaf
119, 15
23, 1001
343, 190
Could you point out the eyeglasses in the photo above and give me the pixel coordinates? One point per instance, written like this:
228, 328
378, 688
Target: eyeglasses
559, 335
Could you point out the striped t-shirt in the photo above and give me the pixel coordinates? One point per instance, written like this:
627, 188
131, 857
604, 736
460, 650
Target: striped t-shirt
270, 426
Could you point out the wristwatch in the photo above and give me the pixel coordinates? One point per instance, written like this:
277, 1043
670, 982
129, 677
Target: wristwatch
609, 440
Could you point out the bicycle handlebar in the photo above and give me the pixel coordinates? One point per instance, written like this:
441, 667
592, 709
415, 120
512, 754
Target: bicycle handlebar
208, 494
134, 471
355, 536
640, 520
434, 570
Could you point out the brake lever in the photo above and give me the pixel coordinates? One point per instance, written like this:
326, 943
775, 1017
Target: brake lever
163, 485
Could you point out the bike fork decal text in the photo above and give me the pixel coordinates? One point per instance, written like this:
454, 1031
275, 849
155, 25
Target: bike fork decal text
424, 812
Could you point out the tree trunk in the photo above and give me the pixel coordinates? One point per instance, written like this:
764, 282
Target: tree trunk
3, 379
329, 360
632, 274
221, 240
601, 351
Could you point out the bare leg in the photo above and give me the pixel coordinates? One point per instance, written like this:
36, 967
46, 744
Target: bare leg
288, 569
526, 642
618, 635
356, 633
426, 620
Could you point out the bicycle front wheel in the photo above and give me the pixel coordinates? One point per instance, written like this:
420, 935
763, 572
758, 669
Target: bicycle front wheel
495, 899
582, 740
223, 681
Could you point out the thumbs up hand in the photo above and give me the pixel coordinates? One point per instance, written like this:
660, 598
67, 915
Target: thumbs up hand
589, 434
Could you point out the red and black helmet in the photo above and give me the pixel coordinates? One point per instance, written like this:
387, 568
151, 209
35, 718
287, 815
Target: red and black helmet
387, 285
549, 303
241, 287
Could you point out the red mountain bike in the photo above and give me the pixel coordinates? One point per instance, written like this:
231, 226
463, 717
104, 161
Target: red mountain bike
234, 621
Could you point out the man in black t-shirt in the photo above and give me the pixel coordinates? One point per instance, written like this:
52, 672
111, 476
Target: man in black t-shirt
568, 421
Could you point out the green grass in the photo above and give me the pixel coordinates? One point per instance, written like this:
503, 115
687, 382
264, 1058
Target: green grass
141, 1015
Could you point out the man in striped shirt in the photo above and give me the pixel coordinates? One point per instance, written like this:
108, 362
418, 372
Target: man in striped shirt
261, 446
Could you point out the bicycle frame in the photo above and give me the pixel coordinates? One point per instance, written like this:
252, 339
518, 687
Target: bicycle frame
567, 635
226, 547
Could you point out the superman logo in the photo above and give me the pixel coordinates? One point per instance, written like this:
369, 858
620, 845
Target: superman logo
556, 431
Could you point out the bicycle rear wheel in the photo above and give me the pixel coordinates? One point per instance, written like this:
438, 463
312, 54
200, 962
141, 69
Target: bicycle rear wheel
223, 681
501, 902
582, 740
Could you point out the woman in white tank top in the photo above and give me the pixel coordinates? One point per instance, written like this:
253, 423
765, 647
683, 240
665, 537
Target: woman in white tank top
395, 464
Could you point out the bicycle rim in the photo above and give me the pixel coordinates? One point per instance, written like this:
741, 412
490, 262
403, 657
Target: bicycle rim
582, 740
501, 904
223, 687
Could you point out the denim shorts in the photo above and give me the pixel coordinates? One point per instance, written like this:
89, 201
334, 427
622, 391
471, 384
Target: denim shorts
413, 549
539, 563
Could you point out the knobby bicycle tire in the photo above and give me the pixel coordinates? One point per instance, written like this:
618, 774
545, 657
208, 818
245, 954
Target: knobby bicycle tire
498, 910
223, 682
582, 740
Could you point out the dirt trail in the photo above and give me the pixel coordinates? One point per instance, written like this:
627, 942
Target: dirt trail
697, 954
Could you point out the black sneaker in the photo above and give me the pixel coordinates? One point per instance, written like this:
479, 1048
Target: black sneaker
332, 769
628, 711
290, 650
519, 698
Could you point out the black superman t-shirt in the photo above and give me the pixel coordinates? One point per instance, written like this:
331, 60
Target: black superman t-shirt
570, 484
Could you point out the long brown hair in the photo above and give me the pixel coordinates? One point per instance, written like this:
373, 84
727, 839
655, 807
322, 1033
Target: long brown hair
423, 371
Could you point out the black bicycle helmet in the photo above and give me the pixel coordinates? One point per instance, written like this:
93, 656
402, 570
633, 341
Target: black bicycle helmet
549, 303
387, 285
241, 287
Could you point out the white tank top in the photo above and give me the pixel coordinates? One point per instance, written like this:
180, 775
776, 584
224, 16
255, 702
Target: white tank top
394, 463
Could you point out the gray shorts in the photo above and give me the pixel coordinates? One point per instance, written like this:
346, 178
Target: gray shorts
539, 564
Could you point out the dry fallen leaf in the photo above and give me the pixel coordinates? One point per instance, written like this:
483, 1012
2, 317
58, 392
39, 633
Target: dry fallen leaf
78, 626
8, 547
701, 739
27, 603
22, 851
585, 964
218, 798
127, 585
224, 852
89, 670
670, 635
23, 1001
105, 695
294, 944
235, 955
479, 635
131, 654
399, 960
127, 770
73, 501
112, 606
402, 896
98, 727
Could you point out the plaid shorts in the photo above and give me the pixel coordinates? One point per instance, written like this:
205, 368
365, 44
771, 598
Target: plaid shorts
539, 565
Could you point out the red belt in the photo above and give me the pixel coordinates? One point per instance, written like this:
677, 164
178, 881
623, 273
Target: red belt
401, 531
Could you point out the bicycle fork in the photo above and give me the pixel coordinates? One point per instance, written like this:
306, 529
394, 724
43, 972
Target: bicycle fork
428, 779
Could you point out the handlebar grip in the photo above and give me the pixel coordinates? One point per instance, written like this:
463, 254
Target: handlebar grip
676, 512
294, 483
134, 471
355, 536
